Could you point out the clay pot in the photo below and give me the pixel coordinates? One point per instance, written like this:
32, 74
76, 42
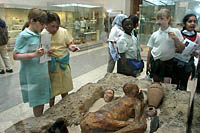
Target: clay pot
155, 94
151, 111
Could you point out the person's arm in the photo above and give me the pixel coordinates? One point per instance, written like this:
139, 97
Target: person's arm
123, 59
148, 61
72, 47
112, 35
69, 42
196, 53
179, 44
25, 56
150, 44
122, 49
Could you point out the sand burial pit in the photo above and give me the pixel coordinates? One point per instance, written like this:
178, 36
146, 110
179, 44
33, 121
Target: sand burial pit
173, 112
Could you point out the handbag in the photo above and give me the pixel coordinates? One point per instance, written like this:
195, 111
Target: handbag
135, 64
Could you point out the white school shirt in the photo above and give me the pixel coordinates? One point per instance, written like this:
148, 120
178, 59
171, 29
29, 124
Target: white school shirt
115, 33
163, 47
127, 44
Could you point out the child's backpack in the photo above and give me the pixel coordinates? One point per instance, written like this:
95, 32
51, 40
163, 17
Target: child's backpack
3, 36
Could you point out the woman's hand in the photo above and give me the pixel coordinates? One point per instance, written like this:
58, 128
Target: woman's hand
172, 36
73, 48
179, 45
26, 56
147, 68
39, 52
51, 53
194, 54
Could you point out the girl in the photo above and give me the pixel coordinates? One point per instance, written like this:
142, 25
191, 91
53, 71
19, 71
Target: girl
184, 63
59, 70
162, 45
34, 78
114, 35
127, 48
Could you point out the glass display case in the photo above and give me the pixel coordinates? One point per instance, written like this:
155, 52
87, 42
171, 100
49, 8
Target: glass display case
15, 19
84, 23
148, 20
90, 20
178, 10
186, 7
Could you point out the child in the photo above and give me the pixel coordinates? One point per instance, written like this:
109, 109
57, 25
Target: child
114, 35
127, 48
59, 69
184, 62
162, 46
34, 78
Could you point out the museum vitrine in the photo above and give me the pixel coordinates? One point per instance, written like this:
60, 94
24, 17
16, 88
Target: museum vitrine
178, 10
85, 23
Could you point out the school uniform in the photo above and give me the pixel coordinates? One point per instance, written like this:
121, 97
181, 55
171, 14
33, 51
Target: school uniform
59, 68
163, 52
128, 45
184, 62
34, 77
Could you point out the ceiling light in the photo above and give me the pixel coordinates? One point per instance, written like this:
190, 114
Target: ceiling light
75, 4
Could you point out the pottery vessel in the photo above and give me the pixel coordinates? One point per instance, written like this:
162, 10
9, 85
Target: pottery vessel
155, 94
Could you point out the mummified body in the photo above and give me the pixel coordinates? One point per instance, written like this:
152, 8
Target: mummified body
114, 116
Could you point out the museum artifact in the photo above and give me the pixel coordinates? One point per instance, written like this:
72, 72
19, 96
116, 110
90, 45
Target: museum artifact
113, 116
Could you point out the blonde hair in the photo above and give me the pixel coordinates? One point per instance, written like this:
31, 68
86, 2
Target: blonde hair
164, 13
37, 14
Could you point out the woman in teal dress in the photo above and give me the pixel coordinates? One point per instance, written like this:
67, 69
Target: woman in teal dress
34, 78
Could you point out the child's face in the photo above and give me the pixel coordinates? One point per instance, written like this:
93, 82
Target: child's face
128, 26
191, 23
37, 26
52, 27
163, 22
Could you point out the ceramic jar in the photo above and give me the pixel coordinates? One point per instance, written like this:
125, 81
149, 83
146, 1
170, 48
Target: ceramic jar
155, 94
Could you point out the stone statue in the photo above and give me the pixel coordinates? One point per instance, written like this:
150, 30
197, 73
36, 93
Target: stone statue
108, 95
114, 115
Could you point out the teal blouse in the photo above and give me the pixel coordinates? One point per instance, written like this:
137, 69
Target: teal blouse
34, 77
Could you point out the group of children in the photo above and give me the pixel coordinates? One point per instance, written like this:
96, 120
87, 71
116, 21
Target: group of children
171, 52
41, 82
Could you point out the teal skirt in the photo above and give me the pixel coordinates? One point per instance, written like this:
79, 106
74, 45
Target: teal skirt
34, 82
